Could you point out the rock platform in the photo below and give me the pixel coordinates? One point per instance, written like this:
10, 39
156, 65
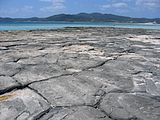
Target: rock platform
80, 74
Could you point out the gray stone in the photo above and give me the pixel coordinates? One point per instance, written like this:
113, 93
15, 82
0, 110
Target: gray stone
9, 69
22, 104
127, 106
3, 48
66, 91
49, 59
75, 113
32, 73
7, 83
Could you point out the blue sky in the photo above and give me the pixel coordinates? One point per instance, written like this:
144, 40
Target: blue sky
43, 8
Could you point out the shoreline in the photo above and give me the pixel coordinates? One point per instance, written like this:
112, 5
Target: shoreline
34, 26
64, 28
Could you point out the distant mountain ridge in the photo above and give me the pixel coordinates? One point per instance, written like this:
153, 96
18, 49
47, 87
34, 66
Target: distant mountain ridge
87, 17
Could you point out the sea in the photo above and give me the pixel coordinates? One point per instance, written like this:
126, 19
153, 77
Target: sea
8, 26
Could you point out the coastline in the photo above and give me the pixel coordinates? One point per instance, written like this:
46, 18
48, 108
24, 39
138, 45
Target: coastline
60, 25
80, 28
93, 73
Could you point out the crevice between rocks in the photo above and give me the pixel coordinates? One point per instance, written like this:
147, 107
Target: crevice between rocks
36, 91
40, 115
103, 62
22, 86
16, 87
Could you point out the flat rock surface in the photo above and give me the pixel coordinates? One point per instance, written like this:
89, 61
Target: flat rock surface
80, 74
21, 104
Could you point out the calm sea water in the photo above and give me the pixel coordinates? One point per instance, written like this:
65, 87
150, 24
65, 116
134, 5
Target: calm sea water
54, 25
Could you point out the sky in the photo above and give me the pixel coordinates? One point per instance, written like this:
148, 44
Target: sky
45, 8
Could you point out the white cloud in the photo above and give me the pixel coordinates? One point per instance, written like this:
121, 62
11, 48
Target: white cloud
27, 9
106, 6
119, 5
56, 5
150, 4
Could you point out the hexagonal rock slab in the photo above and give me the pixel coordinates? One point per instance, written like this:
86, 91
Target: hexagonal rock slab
109, 82
9, 69
31, 73
131, 106
67, 91
7, 83
75, 113
79, 64
83, 49
21, 105
49, 58
80, 61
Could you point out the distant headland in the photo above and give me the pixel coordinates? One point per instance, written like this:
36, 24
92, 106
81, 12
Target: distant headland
86, 17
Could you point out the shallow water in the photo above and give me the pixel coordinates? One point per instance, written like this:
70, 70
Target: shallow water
54, 25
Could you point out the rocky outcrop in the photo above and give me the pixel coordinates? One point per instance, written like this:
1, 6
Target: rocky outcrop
80, 74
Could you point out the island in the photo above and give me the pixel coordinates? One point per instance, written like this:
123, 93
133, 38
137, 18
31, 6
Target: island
86, 17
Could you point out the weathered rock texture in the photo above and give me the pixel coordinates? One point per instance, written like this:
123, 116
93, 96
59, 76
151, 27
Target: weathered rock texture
80, 74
